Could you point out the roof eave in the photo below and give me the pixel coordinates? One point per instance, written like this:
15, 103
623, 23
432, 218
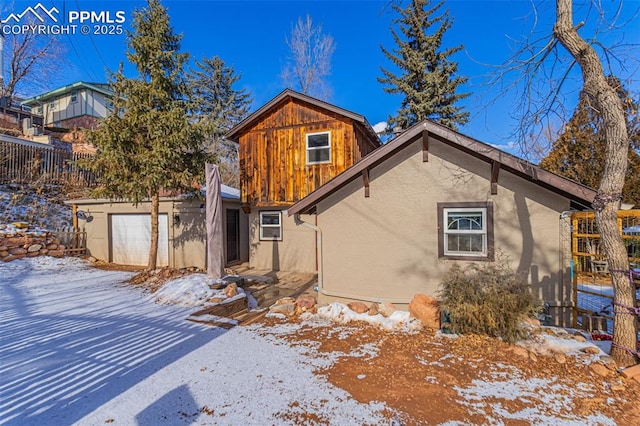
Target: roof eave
571, 190
234, 134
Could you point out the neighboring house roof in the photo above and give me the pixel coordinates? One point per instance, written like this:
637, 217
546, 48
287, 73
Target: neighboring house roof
96, 87
234, 133
574, 191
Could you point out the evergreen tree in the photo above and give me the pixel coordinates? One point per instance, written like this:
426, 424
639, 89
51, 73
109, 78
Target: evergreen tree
428, 78
147, 144
579, 152
219, 107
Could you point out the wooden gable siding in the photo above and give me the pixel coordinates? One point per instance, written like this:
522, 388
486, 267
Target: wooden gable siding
273, 153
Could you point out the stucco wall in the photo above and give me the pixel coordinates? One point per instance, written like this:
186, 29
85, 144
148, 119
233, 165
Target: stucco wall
296, 252
384, 248
187, 245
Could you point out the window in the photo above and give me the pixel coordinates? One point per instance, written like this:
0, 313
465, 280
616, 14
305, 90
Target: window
465, 231
74, 96
318, 148
52, 104
271, 226
39, 110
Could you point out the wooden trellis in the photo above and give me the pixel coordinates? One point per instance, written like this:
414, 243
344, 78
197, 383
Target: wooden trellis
590, 272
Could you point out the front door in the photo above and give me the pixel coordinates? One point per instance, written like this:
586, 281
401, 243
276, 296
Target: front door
233, 235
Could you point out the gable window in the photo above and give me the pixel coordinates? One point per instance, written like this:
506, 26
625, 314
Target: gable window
74, 96
271, 226
465, 231
318, 148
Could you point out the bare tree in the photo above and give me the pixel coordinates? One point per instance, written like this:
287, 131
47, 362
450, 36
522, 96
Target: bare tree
310, 61
543, 73
33, 61
607, 202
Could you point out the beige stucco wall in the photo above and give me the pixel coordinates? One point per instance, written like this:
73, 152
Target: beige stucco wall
187, 245
295, 253
384, 248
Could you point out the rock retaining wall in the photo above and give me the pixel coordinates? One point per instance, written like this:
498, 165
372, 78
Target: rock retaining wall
25, 244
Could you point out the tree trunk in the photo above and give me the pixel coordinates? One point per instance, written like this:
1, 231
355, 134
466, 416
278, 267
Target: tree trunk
153, 250
609, 195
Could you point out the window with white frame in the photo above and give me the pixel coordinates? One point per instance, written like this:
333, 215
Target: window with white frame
270, 226
318, 148
465, 230
52, 104
74, 96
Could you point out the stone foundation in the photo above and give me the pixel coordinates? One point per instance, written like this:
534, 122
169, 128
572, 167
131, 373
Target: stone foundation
25, 244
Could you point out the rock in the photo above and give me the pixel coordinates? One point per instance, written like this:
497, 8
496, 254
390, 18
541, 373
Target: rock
560, 358
52, 246
608, 362
33, 254
285, 300
34, 248
386, 309
231, 290
4, 248
9, 258
305, 301
4, 253
579, 338
617, 388
56, 253
425, 309
358, 307
92, 259
590, 350
533, 357
520, 351
17, 251
373, 309
600, 369
283, 308
43, 252
61, 247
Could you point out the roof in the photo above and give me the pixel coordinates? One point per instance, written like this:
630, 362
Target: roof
96, 87
574, 191
228, 193
234, 133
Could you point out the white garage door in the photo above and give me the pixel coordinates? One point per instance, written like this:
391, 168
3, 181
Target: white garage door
131, 239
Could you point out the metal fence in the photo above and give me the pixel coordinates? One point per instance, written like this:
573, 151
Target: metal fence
29, 164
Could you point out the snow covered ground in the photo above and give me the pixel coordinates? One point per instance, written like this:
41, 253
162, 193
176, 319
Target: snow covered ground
77, 346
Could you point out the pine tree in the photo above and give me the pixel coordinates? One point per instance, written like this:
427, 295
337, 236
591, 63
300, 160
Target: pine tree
428, 78
579, 152
219, 107
147, 144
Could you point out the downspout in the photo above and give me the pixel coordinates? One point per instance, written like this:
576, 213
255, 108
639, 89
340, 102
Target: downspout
299, 222
321, 289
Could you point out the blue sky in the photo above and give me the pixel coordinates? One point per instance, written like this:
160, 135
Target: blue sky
250, 36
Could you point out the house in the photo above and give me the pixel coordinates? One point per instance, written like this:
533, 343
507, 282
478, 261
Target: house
394, 223
77, 105
288, 148
120, 232
67, 110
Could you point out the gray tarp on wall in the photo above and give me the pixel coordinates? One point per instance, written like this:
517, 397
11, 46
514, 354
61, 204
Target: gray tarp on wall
214, 218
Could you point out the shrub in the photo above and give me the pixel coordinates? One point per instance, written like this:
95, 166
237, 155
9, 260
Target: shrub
486, 299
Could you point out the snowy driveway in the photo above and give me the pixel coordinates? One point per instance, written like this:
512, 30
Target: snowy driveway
79, 347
